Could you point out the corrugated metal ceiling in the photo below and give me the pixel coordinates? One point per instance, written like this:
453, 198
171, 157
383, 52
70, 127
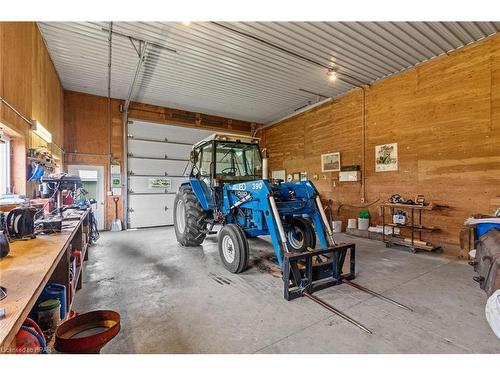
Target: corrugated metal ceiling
255, 71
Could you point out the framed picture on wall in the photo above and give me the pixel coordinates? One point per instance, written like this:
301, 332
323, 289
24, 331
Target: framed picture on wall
330, 162
386, 157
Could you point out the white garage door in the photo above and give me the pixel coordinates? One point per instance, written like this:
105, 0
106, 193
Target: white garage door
157, 157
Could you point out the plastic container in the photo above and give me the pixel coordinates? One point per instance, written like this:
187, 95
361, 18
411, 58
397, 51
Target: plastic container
482, 228
30, 339
49, 316
363, 224
78, 256
352, 224
399, 218
56, 291
337, 226
365, 214
87, 333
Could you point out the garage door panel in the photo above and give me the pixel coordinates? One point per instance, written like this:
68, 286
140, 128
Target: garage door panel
156, 167
141, 129
151, 212
159, 150
140, 184
150, 174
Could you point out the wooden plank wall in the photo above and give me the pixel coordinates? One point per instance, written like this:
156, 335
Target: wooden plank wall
445, 116
87, 139
29, 82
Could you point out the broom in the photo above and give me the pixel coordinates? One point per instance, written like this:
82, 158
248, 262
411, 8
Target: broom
116, 225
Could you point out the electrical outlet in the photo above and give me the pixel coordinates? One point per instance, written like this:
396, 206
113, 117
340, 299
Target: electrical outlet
362, 199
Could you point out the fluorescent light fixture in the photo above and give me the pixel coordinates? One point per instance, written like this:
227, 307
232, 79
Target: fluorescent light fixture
42, 132
186, 23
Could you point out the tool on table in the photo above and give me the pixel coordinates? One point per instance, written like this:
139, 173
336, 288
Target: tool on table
49, 225
420, 199
116, 225
3, 292
4, 238
20, 223
60, 183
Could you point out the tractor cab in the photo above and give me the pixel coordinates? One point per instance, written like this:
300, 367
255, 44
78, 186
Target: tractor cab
226, 158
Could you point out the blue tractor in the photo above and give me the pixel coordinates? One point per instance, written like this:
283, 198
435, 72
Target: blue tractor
227, 187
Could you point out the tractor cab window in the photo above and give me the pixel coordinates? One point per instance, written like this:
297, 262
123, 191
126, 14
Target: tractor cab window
205, 160
238, 161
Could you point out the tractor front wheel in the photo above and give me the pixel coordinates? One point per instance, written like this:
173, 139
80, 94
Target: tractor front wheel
233, 248
300, 235
189, 218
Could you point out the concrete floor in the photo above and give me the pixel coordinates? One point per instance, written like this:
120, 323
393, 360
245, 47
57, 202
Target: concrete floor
181, 300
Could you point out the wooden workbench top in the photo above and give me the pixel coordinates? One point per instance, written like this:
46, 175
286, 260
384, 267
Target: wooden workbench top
25, 272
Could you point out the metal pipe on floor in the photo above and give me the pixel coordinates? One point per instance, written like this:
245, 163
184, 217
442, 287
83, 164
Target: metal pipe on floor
375, 294
336, 312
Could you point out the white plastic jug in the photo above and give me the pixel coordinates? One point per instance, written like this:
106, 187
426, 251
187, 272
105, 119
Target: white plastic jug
337, 226
352, 224
363, 224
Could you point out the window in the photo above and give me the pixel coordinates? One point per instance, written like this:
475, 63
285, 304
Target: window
206, 160
4, 165
238, 161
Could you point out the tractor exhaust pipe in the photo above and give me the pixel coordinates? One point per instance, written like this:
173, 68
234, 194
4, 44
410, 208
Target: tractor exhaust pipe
265, 168
325, 221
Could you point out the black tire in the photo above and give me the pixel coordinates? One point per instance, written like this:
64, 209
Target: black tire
233, 248
190, 225
300, 235
313, 234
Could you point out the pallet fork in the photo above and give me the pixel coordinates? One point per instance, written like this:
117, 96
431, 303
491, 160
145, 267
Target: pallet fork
308, 272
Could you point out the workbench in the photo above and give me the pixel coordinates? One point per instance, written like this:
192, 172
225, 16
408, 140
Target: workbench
31, 264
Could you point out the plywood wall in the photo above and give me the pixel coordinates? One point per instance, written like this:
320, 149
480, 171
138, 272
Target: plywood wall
89, 140
29, 82
445, 117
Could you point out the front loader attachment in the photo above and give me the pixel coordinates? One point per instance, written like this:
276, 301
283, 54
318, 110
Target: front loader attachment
318, 269
310, 271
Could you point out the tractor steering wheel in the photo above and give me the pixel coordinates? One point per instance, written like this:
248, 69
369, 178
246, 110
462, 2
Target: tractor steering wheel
230, 171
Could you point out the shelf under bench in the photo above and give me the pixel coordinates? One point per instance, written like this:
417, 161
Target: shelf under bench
30, 265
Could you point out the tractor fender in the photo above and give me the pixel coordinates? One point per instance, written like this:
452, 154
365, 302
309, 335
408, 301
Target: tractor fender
202, 193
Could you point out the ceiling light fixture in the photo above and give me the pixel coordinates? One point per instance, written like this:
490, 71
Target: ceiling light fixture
332, 75
186, 23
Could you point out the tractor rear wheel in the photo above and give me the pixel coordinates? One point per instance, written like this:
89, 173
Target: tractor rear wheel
189, 218
300, 235
233, 248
